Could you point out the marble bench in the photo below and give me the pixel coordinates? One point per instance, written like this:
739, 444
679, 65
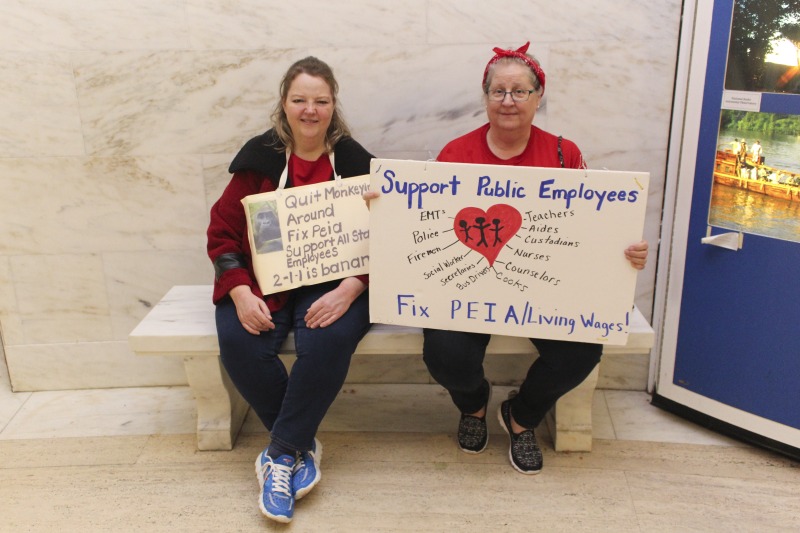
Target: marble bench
182, 325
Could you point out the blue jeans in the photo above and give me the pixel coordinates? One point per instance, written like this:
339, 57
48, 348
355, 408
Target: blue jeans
455, 361
291, 406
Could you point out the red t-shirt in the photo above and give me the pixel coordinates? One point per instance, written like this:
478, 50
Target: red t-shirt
302, 172
542, 151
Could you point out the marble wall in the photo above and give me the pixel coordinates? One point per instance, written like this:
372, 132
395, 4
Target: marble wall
118, 119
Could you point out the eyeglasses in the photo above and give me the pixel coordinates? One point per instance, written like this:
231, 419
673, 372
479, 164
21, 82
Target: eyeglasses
518, 95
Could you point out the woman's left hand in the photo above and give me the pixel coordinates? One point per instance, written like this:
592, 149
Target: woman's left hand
370, 195
637, 254
332, 305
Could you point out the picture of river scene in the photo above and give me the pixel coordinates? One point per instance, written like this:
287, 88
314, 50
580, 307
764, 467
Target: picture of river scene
757, 197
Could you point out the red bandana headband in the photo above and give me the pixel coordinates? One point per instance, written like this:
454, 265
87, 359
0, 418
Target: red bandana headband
519, 53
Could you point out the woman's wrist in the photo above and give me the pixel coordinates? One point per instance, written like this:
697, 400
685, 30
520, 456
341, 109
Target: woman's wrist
353, 287
237, 292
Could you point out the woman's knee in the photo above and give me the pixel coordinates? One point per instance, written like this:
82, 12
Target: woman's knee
580, 358
452, 353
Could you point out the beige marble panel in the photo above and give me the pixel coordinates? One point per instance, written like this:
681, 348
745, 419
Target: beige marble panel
10, 402
11, 327
10, 322
388, 153
252, 24
60, 366
94, 205
457, 21
136, 281
99, 412
8, 301
619, 117
60, 298
93, 25
176, 101
39, 114
215, 173
508, 369
602, 427
410, 99
624, 371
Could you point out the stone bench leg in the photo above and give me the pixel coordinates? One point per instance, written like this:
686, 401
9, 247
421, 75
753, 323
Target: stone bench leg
570, 421
220, 407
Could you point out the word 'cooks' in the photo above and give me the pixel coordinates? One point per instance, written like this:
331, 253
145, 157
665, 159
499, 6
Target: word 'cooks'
414, 191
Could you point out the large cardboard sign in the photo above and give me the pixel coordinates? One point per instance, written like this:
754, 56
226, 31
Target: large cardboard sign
310, 234
522, 251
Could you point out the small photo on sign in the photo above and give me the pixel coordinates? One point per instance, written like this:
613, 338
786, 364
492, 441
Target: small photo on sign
266, 227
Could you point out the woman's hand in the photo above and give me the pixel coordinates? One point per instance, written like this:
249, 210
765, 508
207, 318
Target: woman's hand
370, 195
252, 311
332, 305
637, 254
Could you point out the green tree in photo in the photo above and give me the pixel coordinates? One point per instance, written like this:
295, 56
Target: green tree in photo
756, 24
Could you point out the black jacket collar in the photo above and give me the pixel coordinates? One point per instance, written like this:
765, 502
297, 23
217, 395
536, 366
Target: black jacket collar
264, 154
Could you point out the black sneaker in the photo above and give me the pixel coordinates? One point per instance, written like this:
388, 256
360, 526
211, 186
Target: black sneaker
473, 436
523, 450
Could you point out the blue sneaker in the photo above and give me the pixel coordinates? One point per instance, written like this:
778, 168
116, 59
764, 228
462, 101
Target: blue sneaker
277, 497
306, 471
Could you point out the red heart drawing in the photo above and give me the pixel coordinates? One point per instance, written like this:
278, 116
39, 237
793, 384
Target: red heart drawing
487, 232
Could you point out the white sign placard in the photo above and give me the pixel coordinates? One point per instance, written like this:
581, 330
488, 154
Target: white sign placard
521, 251
310, 234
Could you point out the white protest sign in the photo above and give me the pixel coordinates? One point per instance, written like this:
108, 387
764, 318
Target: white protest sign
310, 234
521, 251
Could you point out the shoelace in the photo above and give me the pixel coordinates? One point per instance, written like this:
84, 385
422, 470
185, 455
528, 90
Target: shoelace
281, 477
301, 463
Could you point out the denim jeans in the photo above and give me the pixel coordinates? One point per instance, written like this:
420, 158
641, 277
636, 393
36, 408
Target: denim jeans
291, 405
455, 361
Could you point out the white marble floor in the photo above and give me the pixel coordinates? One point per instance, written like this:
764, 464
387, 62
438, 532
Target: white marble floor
124, 460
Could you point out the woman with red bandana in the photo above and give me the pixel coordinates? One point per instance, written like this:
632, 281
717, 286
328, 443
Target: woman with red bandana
308, 144
513, 85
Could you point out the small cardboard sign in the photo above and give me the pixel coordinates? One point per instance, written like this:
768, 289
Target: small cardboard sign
521, 251
308, 235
